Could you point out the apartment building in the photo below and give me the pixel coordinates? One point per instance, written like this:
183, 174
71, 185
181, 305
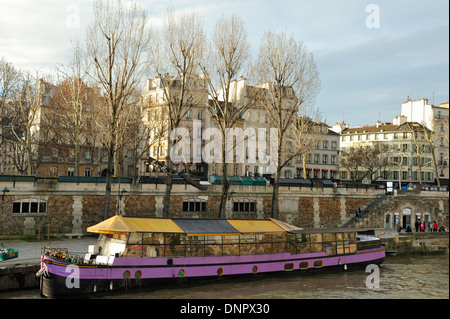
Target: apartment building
398, 145
435, 118
321, 159
194, 118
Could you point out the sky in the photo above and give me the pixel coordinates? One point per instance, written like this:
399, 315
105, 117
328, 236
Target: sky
372, 55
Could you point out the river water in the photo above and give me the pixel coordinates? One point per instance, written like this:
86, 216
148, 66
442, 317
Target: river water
400, 277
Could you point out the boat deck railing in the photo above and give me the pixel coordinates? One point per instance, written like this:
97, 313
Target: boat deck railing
63, 255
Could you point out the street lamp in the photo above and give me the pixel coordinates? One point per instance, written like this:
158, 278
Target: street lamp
5, 190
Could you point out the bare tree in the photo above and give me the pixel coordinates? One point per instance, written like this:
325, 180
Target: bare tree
183, 41
117, 44
229, 52
28, 126
71, 102
9, 79
289, 74
350, 161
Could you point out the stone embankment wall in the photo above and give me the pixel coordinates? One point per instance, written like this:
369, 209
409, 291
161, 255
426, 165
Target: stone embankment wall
19, 277
418, 243
72, 207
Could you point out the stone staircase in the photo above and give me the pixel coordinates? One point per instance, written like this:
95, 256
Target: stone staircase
380, 204
374, 212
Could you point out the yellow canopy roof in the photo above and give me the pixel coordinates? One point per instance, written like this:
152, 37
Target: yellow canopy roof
193, 227
120, 224
256, 226
285, 226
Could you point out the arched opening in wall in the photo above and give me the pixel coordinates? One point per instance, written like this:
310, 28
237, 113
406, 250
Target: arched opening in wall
388, 221
397, 219
406, 220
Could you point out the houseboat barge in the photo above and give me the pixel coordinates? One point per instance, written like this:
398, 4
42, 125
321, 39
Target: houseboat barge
137, 252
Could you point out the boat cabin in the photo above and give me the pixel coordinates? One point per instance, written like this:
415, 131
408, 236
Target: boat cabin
157, 237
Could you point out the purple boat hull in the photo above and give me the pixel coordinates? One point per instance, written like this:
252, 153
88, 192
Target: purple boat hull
59, 278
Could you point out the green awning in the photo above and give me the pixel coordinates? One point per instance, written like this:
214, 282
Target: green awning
240, 180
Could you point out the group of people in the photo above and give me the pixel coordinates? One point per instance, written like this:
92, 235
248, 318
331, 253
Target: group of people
422, 226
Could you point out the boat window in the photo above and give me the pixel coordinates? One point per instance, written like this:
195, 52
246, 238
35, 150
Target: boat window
213, 245
328, 237
213, 239
230, 245
247, 238
316, 238
135, 238
195, 246
316, 247
231, 239
303, 238
153, 239
349, 235
173, 246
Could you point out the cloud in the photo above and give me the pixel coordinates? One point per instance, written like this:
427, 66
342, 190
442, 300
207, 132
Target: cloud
37, 34
363, 71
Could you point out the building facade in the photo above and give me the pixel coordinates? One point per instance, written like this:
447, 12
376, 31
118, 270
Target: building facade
247, 160
435, 118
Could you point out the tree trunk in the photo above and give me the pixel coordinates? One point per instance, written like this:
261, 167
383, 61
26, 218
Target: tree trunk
108, 180
225, 189
169, 181
276, 186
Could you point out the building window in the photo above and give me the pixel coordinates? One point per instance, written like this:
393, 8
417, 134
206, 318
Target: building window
333, 159
404, 175
29, 206
194, 205
88, 156
70, 171
244, 206
334, 145
54, 171
316, 158
87, 172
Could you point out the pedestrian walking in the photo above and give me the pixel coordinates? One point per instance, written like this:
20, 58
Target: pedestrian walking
435, 226
422, 226
417, 225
